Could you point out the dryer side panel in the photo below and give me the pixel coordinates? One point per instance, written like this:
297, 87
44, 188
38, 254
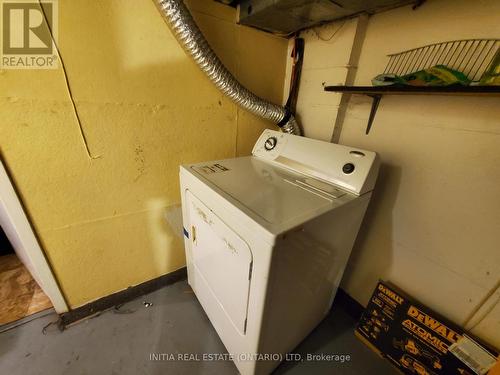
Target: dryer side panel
306, 270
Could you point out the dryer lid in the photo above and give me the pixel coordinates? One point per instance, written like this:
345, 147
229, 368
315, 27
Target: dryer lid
275, 194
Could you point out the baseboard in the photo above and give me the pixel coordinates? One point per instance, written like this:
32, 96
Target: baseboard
352, 307
119, 298
342, 299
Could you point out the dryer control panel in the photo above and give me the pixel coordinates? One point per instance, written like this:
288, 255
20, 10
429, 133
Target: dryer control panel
350, 168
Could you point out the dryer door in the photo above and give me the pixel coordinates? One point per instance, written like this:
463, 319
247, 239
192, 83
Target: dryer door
221, 260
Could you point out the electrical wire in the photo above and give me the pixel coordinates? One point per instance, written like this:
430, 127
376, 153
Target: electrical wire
68, 87
331, 37
478, 308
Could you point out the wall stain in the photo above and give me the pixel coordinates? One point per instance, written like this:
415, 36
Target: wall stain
140, 161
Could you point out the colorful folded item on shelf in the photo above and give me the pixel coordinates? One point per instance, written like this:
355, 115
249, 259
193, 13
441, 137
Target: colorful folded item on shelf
438, 75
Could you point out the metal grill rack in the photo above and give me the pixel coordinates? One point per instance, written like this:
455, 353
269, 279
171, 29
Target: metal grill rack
473, 57
470, 56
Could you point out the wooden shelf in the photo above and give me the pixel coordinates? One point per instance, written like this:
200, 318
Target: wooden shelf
376, 93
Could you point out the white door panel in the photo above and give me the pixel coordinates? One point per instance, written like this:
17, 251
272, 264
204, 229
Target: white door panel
222, 260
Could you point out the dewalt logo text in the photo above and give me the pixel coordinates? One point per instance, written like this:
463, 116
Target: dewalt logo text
433, 324
389, 293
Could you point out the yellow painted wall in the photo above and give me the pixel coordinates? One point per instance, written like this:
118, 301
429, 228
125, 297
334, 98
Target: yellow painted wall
145, 108
433, 224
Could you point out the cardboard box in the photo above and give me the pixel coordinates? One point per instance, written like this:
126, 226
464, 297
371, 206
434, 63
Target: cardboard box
418, 341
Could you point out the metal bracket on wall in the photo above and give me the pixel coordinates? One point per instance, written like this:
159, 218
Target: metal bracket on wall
375, 102
376, 93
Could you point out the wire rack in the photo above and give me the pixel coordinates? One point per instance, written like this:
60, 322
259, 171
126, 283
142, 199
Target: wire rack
469, 56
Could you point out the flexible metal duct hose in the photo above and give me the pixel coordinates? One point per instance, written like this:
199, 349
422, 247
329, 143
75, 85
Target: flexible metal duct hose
189, 36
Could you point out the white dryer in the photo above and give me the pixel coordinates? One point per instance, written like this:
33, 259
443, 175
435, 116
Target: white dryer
267, 239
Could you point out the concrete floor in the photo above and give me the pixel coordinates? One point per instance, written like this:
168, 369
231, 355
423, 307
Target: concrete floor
120, 342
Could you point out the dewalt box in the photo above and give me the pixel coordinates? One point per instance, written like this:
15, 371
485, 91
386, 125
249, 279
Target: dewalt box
418, 341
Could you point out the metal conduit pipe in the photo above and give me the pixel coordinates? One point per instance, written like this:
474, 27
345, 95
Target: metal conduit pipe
190, 37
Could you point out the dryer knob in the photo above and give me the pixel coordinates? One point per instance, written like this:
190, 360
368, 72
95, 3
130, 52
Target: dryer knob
348, 168
270, 143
